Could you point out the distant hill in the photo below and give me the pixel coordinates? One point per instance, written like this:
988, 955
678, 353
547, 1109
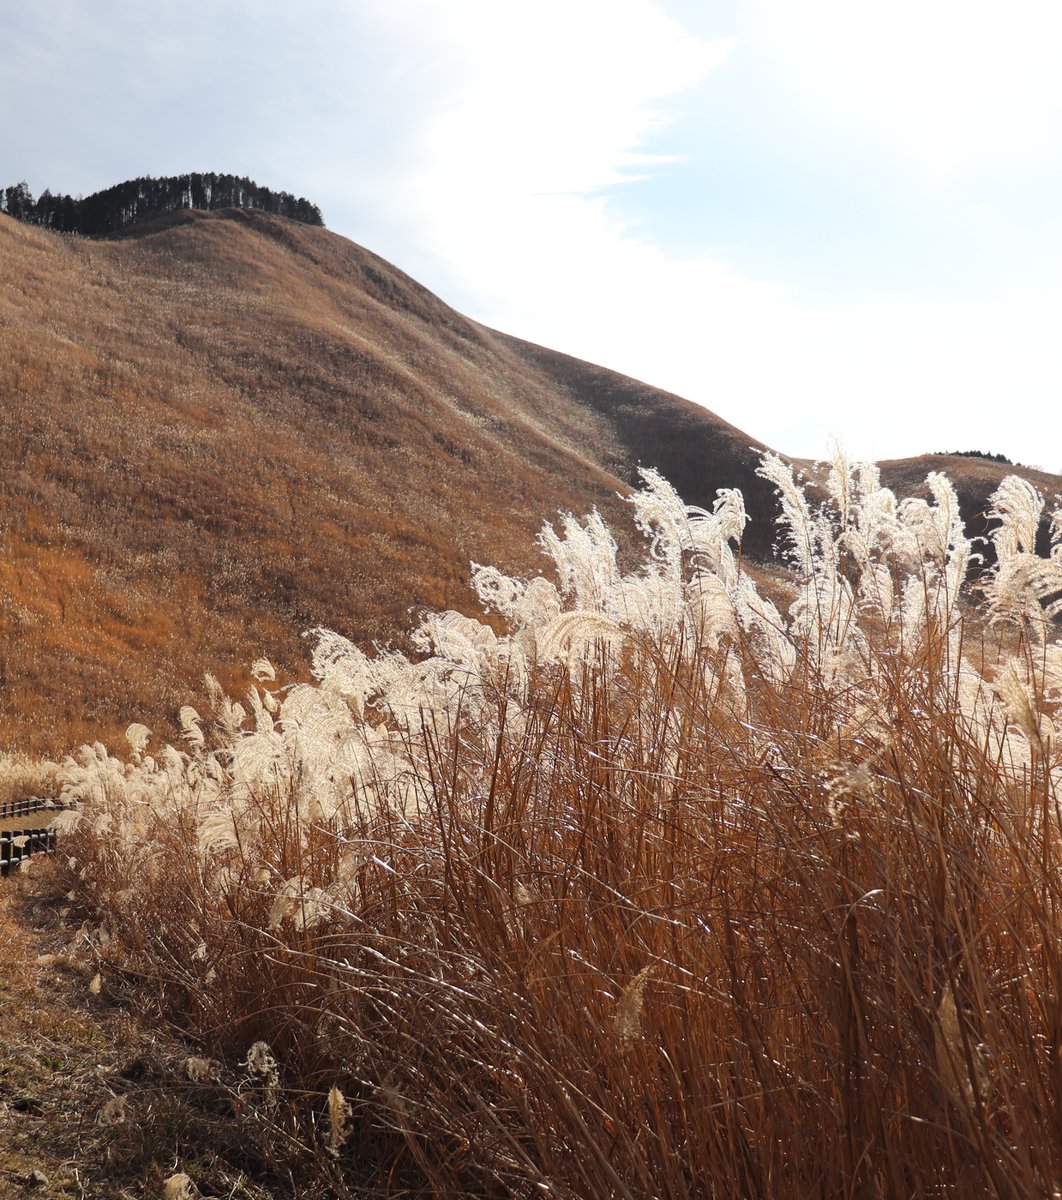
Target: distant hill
224, 428
974, 478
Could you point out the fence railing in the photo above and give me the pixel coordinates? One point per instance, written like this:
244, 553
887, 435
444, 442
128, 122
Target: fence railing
18, 844
12, 809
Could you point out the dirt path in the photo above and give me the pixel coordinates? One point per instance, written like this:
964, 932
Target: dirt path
53, 1060
37, 820
63, 1051
93, 1105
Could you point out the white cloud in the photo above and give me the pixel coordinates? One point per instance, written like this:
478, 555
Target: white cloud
547, 108
534, 101
947, 84
504, 196
550, 108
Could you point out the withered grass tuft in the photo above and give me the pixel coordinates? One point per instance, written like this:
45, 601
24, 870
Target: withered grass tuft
655, 892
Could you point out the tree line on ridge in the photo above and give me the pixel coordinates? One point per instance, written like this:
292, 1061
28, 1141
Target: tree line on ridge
124, 204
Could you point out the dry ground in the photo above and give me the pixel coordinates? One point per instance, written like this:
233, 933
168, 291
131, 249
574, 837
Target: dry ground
62, 1051
94, 1103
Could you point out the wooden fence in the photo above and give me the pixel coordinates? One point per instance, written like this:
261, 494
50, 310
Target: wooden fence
18, 843
11, 809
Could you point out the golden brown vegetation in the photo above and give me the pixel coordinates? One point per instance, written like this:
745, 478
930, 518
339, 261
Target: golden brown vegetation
23, 777
654, 892
225, 428
229, 415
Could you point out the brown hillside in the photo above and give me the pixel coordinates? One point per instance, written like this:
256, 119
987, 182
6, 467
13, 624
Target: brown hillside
224, 428
975, 480
221, 429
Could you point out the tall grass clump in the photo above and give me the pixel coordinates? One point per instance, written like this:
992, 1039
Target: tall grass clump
23, 777
642, 887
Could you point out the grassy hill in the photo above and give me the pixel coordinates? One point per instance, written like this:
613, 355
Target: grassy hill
221, 429
225, 428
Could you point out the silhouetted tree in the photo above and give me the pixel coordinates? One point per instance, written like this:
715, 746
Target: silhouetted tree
18, 201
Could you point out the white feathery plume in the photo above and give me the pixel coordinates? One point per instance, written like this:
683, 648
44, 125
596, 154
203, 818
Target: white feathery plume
1056, 532
263, 671
539, 604
455, 636
1018, 506
137, 736
1015, 692
713, 532
230, 717
758, 616
190, 730
839, 484
662, 517
263, 721
708, 612
584, 556
1027, 589
876, 592
217, 832
259, 760
651, 602
67, 821
572, 635
341, 667
796, 514
215, 691
497, 592
955, 545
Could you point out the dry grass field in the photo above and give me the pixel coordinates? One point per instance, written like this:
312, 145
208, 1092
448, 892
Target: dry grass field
230, 427
645, 888
634, 867
225, 428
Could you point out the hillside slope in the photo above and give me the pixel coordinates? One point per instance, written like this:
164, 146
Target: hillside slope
225, 428
221, 429
974, 479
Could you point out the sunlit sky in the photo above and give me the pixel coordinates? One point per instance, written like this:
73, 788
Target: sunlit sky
819, 218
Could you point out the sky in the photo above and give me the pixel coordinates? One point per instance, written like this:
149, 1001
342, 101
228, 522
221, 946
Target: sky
821, 219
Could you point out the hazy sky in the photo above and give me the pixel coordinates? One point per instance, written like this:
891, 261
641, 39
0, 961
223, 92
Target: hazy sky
816, 217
